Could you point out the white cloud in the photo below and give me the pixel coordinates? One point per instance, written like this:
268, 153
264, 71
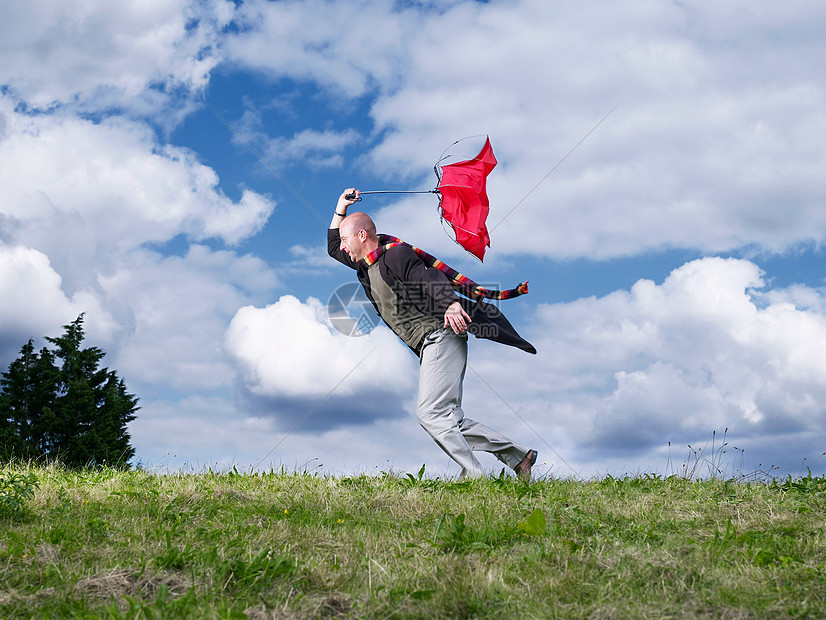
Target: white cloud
310, 147
618, 377
196, 433
177, 309
110, 187
289, 350
99, 54
82, 200
34, 303
288, 39
314, 148
717, 142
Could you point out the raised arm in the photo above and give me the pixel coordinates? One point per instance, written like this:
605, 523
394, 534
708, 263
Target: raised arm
342, 205
333, 236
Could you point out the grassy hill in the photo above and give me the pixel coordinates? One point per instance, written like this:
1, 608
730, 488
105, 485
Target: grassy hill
130, 544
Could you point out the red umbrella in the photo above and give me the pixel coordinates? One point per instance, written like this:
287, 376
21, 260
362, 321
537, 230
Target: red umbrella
463, 199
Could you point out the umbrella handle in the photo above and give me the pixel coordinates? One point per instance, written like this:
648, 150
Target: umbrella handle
393, 191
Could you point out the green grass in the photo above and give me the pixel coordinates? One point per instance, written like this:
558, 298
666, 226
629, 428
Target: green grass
129, 544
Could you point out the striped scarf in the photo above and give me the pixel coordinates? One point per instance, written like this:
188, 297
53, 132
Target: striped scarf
461, 283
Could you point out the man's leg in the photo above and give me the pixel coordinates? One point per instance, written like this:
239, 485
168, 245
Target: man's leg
442, 370
482, 437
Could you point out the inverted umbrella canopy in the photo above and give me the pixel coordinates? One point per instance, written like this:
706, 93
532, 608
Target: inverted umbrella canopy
464, 200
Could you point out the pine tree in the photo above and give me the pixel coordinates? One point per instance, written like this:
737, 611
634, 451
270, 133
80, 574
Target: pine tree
27, 404
76, 411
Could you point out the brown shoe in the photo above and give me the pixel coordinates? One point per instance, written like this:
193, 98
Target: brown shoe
523, 470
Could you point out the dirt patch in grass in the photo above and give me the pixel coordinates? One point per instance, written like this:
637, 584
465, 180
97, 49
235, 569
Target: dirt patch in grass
119, 583
329, 606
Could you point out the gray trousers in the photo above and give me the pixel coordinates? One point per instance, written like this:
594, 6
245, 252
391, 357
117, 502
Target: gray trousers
442, 361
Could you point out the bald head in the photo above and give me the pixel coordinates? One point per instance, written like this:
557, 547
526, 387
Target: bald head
358, 235
358, 221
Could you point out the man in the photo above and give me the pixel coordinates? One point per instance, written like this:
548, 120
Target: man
420, 306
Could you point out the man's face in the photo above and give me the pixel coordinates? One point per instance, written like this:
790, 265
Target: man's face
352, 242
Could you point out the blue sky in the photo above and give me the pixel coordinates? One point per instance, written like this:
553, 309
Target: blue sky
675, 257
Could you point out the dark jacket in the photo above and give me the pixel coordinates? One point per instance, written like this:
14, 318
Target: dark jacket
430, 291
